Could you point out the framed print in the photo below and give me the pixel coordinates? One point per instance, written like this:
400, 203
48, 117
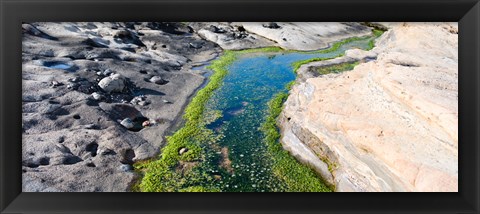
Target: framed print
234, 106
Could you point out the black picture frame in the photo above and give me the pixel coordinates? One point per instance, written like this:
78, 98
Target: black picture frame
14, 12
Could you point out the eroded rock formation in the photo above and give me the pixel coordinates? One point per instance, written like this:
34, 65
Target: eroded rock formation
390, 124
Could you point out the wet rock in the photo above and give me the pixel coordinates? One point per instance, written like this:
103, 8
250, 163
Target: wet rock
158, 80
127, 123
182, 150
271, 25
114, 83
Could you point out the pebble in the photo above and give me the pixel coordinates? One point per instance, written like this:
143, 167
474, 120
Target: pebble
127, 123
107, 72
72, 86
107, 152
56, 84
97, 96
182, 150
157, 80
146, 123
91, 126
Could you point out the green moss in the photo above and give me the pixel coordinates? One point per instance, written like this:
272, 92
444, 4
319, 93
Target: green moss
297, 177
296, 65
336, 68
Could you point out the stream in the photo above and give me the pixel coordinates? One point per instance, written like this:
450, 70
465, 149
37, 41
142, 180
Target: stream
222, 147
252, 81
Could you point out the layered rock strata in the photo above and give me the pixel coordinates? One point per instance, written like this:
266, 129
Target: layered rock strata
391, 123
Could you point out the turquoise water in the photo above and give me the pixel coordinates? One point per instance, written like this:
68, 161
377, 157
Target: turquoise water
252, 81
59, 65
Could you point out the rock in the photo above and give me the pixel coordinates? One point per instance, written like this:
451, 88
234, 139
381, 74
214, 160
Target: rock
271, 25
182, 150
97, 96
114, 83
158, 80
146, 123
126, 167
127, 123
397, 128
107, 72
42, 132
306, 35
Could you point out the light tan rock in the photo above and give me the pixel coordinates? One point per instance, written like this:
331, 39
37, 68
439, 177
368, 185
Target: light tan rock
390, 124
307, 35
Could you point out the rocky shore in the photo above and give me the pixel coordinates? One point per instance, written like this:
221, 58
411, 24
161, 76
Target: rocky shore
99, 96
391, 123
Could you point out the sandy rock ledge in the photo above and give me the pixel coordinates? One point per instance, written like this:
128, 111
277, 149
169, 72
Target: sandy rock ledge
391, 124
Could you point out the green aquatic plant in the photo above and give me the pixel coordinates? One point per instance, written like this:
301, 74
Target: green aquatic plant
337, 68
335, 46
298, 177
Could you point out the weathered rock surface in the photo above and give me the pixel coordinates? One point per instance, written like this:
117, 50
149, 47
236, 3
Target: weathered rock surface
391, 124
295, 35
230, 36
306, 35
78, 82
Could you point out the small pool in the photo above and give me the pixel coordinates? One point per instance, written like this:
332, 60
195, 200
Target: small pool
60, 65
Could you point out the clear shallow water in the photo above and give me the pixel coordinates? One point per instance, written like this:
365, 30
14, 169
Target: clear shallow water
252, 81
59, 65
243, 99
